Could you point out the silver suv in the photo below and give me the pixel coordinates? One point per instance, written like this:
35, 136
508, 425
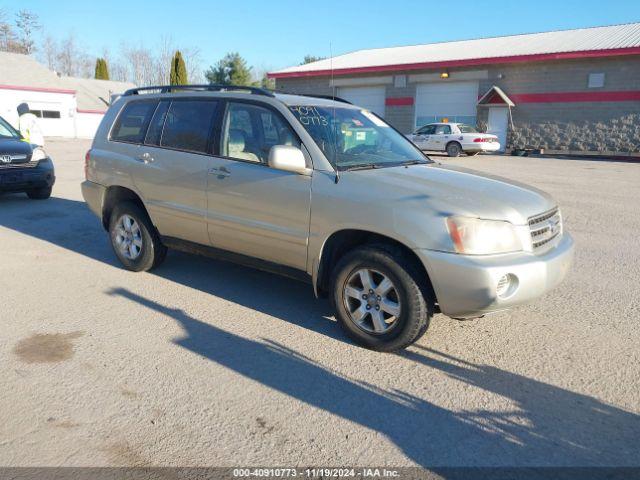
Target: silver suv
322, 190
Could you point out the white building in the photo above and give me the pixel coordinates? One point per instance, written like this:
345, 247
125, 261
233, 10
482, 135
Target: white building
67, 107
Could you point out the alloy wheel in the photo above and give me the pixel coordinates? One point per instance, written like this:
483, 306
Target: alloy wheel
128, 237
371, 301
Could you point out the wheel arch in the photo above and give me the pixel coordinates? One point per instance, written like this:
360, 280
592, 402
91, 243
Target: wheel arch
453, 141
114, 195
340, 242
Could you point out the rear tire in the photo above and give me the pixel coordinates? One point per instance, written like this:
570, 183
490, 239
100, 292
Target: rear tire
371, 321
39, 193
454, 149
134, 238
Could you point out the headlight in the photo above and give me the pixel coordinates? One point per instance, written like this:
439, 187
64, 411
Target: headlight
473, 236
38, 154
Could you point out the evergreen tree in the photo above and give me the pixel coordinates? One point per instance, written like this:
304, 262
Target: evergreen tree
178, 74
231, 70
102, 71
311, 59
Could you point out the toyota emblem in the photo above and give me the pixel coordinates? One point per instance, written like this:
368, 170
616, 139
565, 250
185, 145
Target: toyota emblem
5, 158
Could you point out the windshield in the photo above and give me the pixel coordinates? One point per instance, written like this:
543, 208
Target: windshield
466, 128
352, 138
6, 130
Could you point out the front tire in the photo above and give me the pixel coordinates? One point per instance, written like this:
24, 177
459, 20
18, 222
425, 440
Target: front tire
39, 193
134, 238
454, 149
378, 300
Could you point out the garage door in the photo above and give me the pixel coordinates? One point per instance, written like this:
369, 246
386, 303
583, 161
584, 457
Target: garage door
371, 98
446, 102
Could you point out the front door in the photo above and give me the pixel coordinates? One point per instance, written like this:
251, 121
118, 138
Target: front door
438, 141
422, 135
253, 209
498, 123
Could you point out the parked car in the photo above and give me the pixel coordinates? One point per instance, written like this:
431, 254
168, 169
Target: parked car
23, 167
454, 138
325, 191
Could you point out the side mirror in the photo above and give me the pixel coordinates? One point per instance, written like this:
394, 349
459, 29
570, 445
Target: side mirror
289, 159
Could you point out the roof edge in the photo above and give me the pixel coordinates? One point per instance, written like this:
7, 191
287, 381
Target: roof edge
538, 57
38, 89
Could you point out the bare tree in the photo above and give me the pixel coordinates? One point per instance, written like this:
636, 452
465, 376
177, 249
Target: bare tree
86, 65
163, 60
140, 65
193, 59
27, 23
8, 40
117, 71
68, 57
49, 52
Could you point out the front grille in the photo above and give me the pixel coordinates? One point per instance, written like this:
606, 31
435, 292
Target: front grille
545, 228
6, 166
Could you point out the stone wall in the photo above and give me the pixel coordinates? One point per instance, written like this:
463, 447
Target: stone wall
594, 128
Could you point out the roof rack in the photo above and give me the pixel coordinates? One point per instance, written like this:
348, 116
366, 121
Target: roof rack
327, 97
207, 88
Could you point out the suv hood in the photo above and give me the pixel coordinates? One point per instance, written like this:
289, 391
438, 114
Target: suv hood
451, 190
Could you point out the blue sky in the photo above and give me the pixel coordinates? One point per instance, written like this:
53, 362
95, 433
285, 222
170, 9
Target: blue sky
277, 34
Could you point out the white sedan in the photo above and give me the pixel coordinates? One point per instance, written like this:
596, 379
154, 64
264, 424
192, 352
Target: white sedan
454, 138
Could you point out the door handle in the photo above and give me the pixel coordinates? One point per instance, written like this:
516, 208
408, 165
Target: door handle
145, 158
220, 172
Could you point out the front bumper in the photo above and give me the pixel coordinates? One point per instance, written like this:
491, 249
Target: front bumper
23, 179
465, 285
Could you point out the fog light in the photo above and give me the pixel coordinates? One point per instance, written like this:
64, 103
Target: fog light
507, 285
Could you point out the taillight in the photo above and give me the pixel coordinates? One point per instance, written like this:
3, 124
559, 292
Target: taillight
87, 157
477, 140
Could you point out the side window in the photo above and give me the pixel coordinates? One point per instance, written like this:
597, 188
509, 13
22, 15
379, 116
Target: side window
155, 126
443, 130
250, 131
132, 123
428, 130
188, 125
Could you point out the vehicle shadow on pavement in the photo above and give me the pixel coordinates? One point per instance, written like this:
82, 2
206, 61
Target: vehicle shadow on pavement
66, 223
547, 425
71, 225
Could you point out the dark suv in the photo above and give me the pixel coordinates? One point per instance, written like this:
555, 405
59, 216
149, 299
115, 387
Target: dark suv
23, 167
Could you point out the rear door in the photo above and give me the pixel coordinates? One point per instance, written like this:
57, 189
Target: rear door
253, 209
169, 166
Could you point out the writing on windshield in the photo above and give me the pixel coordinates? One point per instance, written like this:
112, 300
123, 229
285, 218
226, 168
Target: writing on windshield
352, 137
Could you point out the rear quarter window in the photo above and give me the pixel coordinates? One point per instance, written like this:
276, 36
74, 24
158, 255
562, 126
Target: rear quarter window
132, 123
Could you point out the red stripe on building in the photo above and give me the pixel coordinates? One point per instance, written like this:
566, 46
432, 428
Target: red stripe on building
37, 89
399, 102
572, 97
102, 112
540, 57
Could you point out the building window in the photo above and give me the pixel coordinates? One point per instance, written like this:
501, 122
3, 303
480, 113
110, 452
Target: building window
46, 113
596, 80
400, 81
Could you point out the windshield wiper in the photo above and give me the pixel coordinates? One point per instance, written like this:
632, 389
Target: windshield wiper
360, 166
413, 162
